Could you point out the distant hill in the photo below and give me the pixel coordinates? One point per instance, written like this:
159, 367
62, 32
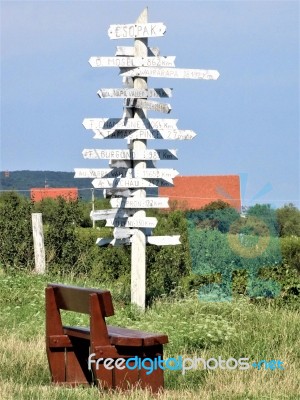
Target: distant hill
23, 181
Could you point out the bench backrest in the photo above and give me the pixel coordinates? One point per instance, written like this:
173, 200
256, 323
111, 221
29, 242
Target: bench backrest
73, 298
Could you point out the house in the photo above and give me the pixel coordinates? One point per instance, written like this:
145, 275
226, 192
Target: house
38, 194
194, 192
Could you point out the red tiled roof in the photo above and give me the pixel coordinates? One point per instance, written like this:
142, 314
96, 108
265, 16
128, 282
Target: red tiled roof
194, 192
38, 194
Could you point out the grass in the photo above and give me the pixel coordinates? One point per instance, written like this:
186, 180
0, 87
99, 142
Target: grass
236, 329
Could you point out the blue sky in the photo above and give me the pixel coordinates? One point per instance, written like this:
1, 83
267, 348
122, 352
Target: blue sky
247, 122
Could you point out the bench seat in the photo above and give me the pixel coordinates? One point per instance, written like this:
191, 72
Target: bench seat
121, 336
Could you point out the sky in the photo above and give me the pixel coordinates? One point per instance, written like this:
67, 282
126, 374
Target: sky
247, 121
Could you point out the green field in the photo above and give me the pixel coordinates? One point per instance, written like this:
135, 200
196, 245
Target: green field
242, 328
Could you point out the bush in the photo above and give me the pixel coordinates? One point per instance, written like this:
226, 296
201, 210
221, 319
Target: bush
16, 249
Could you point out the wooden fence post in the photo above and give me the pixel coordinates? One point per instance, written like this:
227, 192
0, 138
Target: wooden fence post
38, 242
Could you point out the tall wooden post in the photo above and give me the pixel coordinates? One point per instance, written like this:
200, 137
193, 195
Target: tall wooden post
138, 246
38, 242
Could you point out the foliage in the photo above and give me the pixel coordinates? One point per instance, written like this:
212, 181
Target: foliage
289, 220
266, 216
216, 215
16, 249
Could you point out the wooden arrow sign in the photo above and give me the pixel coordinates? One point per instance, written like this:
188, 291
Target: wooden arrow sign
149, 105
112, 242
132, 31
135, 202
109, 193
164, 240
124, 233
129, 123
171, 73
99, 215
132, 222
164, 173
130, 51
167, 134
129, 183
126, 154
134, 93
130, 62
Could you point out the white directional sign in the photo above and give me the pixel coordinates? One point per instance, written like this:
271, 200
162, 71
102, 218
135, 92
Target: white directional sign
132, 31
132, 222
167, 134
147, 173
134, 93
124, 233
171, 73
134, 202
126, 154
126, 240
130, 183
129, 62
149, 105
129, 123
128, 164
130, 51
164, 240
108, 193
99, 215
112, 242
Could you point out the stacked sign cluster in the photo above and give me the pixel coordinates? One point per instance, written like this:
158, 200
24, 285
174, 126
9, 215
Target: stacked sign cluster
132, 169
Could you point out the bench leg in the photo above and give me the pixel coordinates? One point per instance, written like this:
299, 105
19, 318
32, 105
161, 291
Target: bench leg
56, 360
104, 377
77, 372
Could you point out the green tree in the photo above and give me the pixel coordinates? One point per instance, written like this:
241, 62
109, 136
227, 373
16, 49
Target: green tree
289, 220
16, 243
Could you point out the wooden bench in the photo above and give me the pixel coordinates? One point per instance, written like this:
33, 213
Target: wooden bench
68, 347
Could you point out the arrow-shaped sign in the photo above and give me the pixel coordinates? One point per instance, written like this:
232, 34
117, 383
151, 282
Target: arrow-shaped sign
126, 154
108, 193
140, 202
112, 242
129, 183
129, 123
132, 222
182, 73
164, 240
149, 105
130, 62
134, 93
154, 240
99, 215
124, 233
130, 51
164, 173
167, 134
132, 31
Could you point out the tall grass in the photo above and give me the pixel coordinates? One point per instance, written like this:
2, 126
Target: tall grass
235, 329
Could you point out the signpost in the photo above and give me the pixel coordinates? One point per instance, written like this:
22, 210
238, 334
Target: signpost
149, 105
129, 62
109, 183
129, 123
133, 169
171, 73
106, 154
134, 93
154, 173
137, 30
